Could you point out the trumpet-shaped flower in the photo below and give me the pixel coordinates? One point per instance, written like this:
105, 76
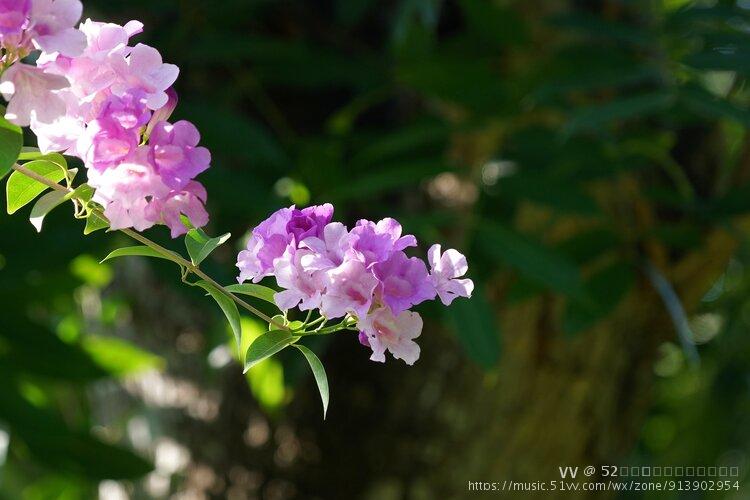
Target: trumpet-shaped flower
31, 94
404, 282
267, 243
14, 17
177, 157
309, 222
372, 243
52, 26
383, 331
349, 289
446, 271
188, 201
301, 286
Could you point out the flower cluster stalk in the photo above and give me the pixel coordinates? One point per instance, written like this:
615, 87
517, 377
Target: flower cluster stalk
182, 262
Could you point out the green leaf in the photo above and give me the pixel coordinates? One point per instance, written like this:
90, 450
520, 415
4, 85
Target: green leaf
534, 260
199, 245
227, 306
267, 345
22, 190
45, 205
708, 105
138, 251
474, 323
320, 375
119, 357
11, 140
94, 222
606, 288
257, 291
593, 117
494, 25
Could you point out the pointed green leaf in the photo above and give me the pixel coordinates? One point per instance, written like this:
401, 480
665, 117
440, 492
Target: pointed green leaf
11, 140
606, 288
320, 375
474, 323
267, 345
257, 291
45, 205
94, 222
199, 245
601, 115
22, 190
536, 261
227, 306
138, 250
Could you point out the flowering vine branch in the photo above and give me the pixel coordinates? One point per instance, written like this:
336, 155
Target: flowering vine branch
91, 95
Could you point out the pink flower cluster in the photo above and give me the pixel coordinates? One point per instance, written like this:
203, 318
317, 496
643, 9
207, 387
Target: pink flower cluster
363, 273
93, 95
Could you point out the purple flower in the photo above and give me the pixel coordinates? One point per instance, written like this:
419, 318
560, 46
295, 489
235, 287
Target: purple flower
177, 157
125, 191
52, 26
373, 243
309, 222
112, 137
445, 269
143, 68
328, 252
301, 285
404, 282
14, 16
349, 290
32, 94
385, 331
162, 114
188, 201
268, 242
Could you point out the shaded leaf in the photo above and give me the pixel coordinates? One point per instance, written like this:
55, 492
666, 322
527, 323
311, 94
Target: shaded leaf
475, 326
593, 117
319, 373
536, 261
227, 306
605, 288
45, 205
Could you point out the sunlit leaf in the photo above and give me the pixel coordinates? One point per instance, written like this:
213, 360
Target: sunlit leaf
267, 345
319, 373
11, 140
94, 222
253, 290
22, 190
135, 251
199, 245
119, 357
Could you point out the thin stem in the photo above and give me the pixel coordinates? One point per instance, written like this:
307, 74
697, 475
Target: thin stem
173, 256
316, 321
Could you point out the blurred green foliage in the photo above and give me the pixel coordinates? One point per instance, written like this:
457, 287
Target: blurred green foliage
454, 117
